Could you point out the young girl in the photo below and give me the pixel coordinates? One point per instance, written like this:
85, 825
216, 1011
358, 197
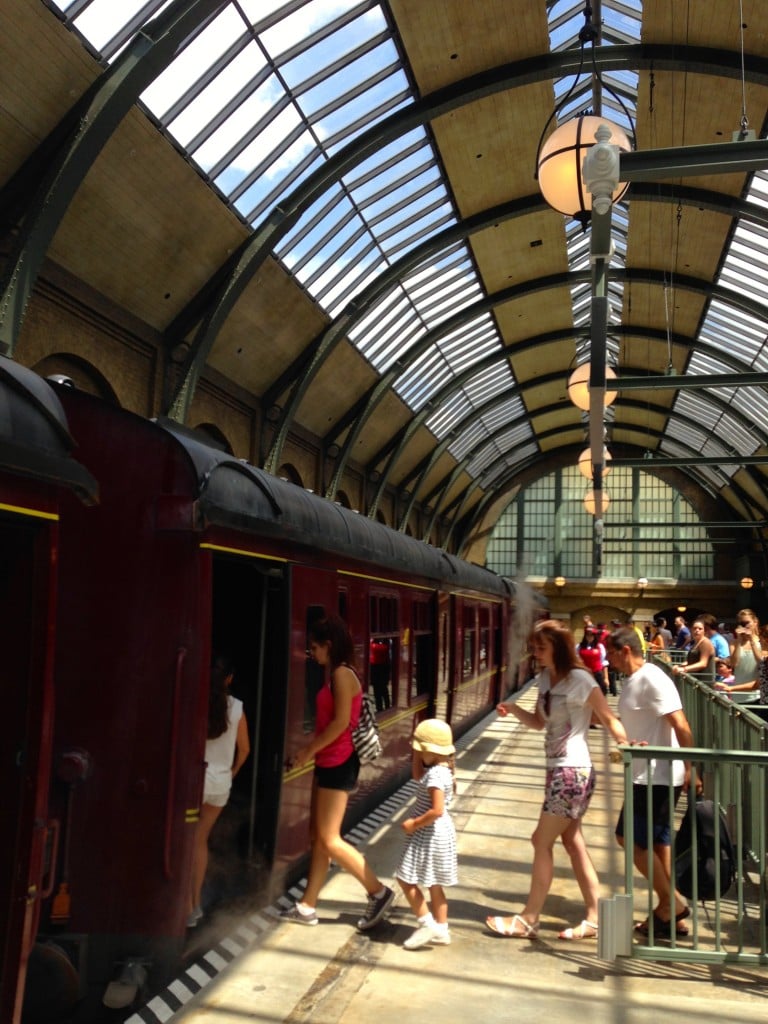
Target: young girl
429, 857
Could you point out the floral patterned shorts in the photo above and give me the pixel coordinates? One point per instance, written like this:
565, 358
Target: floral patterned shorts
568, 791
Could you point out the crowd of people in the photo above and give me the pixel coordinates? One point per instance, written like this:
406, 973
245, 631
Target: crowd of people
573, 682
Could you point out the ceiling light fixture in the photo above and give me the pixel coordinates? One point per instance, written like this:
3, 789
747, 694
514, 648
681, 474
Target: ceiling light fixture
590, 501
585, 463
559, 160
578, 386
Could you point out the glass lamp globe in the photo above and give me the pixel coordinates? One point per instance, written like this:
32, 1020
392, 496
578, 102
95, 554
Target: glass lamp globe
561, 159
585, 463
590, 503
578, 387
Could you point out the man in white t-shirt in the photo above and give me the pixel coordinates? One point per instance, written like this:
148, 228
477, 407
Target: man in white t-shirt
652, 713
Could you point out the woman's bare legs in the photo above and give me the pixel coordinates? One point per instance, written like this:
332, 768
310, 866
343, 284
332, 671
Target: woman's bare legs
326, 817
209, 815
583, 869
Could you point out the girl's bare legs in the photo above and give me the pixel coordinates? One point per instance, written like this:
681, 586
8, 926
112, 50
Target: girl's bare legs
417, 903
415, 898
439, 904
209, 815
326, 817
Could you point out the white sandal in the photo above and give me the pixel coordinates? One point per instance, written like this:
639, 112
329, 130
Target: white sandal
586, 930
518, 927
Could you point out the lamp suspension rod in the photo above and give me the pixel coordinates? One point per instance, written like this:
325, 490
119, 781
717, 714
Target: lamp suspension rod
672, 462
696, 380
688, 161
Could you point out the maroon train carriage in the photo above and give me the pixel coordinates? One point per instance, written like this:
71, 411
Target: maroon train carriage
35, 468
192, 551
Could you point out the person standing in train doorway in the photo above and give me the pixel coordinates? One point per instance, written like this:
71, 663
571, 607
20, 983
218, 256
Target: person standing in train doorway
336, 770
652, 712
379, 662
226, 750
568, 697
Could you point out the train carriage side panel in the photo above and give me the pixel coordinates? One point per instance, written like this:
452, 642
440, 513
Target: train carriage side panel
131, 681
36, 468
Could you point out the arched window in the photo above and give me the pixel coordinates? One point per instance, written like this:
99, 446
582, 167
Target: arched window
216, 437
650, 530
289, 472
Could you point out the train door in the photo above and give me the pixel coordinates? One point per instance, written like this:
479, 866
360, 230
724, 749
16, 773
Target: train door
249, 612
444, 674
26, 611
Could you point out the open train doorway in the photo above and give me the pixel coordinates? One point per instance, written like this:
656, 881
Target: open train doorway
249, 626
26, 565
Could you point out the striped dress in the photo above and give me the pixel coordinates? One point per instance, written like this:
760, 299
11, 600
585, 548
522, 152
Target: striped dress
429, 857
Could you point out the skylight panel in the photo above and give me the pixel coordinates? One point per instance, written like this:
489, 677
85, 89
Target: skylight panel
451, 410
318, 61
306, 21
216, 64
423, 378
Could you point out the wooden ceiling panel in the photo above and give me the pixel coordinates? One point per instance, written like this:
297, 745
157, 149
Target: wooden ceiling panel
685, 24
342, 380
39, 80
458, 38
144, 228
520, 250
488, 149
271, 325
534, 314
531, 361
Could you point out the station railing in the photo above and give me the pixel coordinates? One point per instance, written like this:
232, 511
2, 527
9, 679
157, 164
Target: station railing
730, 761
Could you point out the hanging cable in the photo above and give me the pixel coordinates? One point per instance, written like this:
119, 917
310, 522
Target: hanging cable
744, 119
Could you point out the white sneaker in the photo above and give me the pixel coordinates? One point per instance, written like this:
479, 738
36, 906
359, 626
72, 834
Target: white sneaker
195, 917
425, 934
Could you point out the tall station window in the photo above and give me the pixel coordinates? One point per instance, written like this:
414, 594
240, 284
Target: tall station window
650, 530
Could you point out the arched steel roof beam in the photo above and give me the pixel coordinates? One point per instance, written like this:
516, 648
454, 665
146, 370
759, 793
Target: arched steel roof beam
211, 307
508, 479
93, 118
397, 444
303, 369
388, 379
690, 470
305, 366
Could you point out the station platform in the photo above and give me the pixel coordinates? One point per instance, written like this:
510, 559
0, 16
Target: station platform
274, 971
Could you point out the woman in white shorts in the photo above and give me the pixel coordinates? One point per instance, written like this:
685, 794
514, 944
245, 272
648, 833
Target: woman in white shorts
226, 750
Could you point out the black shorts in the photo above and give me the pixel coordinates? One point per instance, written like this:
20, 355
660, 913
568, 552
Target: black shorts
660, 815
340, 776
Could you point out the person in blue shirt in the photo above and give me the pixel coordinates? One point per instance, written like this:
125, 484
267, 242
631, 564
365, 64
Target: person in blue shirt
682, 634
722, 650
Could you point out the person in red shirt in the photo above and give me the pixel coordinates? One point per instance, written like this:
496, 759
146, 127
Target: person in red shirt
592, 653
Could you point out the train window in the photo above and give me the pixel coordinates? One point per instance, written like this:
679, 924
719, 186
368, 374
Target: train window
422, 649
470, 642
343, 605
484, 650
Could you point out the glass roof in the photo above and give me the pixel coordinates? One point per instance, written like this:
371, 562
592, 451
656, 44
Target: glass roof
268, 90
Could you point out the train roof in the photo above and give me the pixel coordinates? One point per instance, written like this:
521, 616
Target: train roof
34, 434
235, 494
